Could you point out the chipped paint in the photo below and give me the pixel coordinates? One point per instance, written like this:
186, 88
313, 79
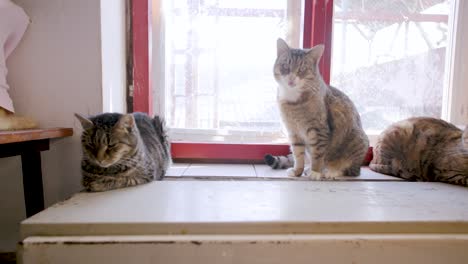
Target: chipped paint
226, 249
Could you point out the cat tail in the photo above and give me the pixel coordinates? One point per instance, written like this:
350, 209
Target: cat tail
279, 162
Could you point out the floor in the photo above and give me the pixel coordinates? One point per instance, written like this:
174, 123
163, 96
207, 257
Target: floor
181, 171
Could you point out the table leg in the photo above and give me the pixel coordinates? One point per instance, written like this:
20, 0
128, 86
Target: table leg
32, 182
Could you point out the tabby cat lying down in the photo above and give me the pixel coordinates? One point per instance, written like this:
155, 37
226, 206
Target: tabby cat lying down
123, 150
423, 149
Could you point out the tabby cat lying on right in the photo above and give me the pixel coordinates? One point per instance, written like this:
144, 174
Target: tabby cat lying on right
423, 149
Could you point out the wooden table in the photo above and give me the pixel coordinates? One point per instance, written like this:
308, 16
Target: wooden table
29, 144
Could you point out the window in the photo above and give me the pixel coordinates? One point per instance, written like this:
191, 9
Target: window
389, 57
212, 64
218, 58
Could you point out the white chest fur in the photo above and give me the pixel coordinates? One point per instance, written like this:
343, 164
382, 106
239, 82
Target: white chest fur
288, 94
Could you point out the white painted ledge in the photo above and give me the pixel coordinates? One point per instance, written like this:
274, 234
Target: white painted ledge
258, 207
254, 222
271, 249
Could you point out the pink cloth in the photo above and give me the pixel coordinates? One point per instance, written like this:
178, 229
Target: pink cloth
13, 24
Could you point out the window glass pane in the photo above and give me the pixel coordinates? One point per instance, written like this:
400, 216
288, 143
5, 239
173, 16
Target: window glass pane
389, 57
219, 56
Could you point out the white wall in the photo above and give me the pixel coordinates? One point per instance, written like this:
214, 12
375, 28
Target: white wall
53, 73
113, 55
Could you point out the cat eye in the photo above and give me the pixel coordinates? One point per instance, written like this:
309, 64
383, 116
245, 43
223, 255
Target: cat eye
284, 68
302, 69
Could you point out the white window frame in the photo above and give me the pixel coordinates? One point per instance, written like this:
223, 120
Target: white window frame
455, 107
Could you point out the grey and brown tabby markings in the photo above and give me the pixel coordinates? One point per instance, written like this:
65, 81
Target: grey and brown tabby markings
279, 162
123, 150
423, 149
320, 119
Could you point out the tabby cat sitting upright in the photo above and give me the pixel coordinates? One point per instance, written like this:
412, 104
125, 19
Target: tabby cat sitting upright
123, 150
423, 149
320, 119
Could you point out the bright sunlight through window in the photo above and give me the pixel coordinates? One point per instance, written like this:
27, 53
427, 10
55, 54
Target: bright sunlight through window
389, 57
218, 55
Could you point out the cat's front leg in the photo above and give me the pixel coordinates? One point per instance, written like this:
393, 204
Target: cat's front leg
107, 183
317, 144
298, 151
100, 184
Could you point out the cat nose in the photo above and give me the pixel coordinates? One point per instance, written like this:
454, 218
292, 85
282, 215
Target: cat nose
103, 163
101, 156
291, 83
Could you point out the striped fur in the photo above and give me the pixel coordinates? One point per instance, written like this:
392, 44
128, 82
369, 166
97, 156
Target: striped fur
123, 150
321, 120
423, 149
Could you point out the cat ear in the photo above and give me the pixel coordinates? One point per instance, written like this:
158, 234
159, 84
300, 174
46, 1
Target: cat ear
316, 52
282, 47
126, 122
85, 123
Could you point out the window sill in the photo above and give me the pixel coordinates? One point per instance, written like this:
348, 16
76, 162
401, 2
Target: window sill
201, 171
258, 207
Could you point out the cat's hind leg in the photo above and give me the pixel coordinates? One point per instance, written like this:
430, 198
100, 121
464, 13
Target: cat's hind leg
380, 168
332, 174
463, 180
398, 169
336, 168
354, 170
312, 174
454, 178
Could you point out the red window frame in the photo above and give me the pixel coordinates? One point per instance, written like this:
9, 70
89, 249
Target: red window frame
318, 19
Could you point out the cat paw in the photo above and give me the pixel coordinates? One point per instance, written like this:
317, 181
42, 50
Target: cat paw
96, 187
313, 174
332, 175
291, 172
